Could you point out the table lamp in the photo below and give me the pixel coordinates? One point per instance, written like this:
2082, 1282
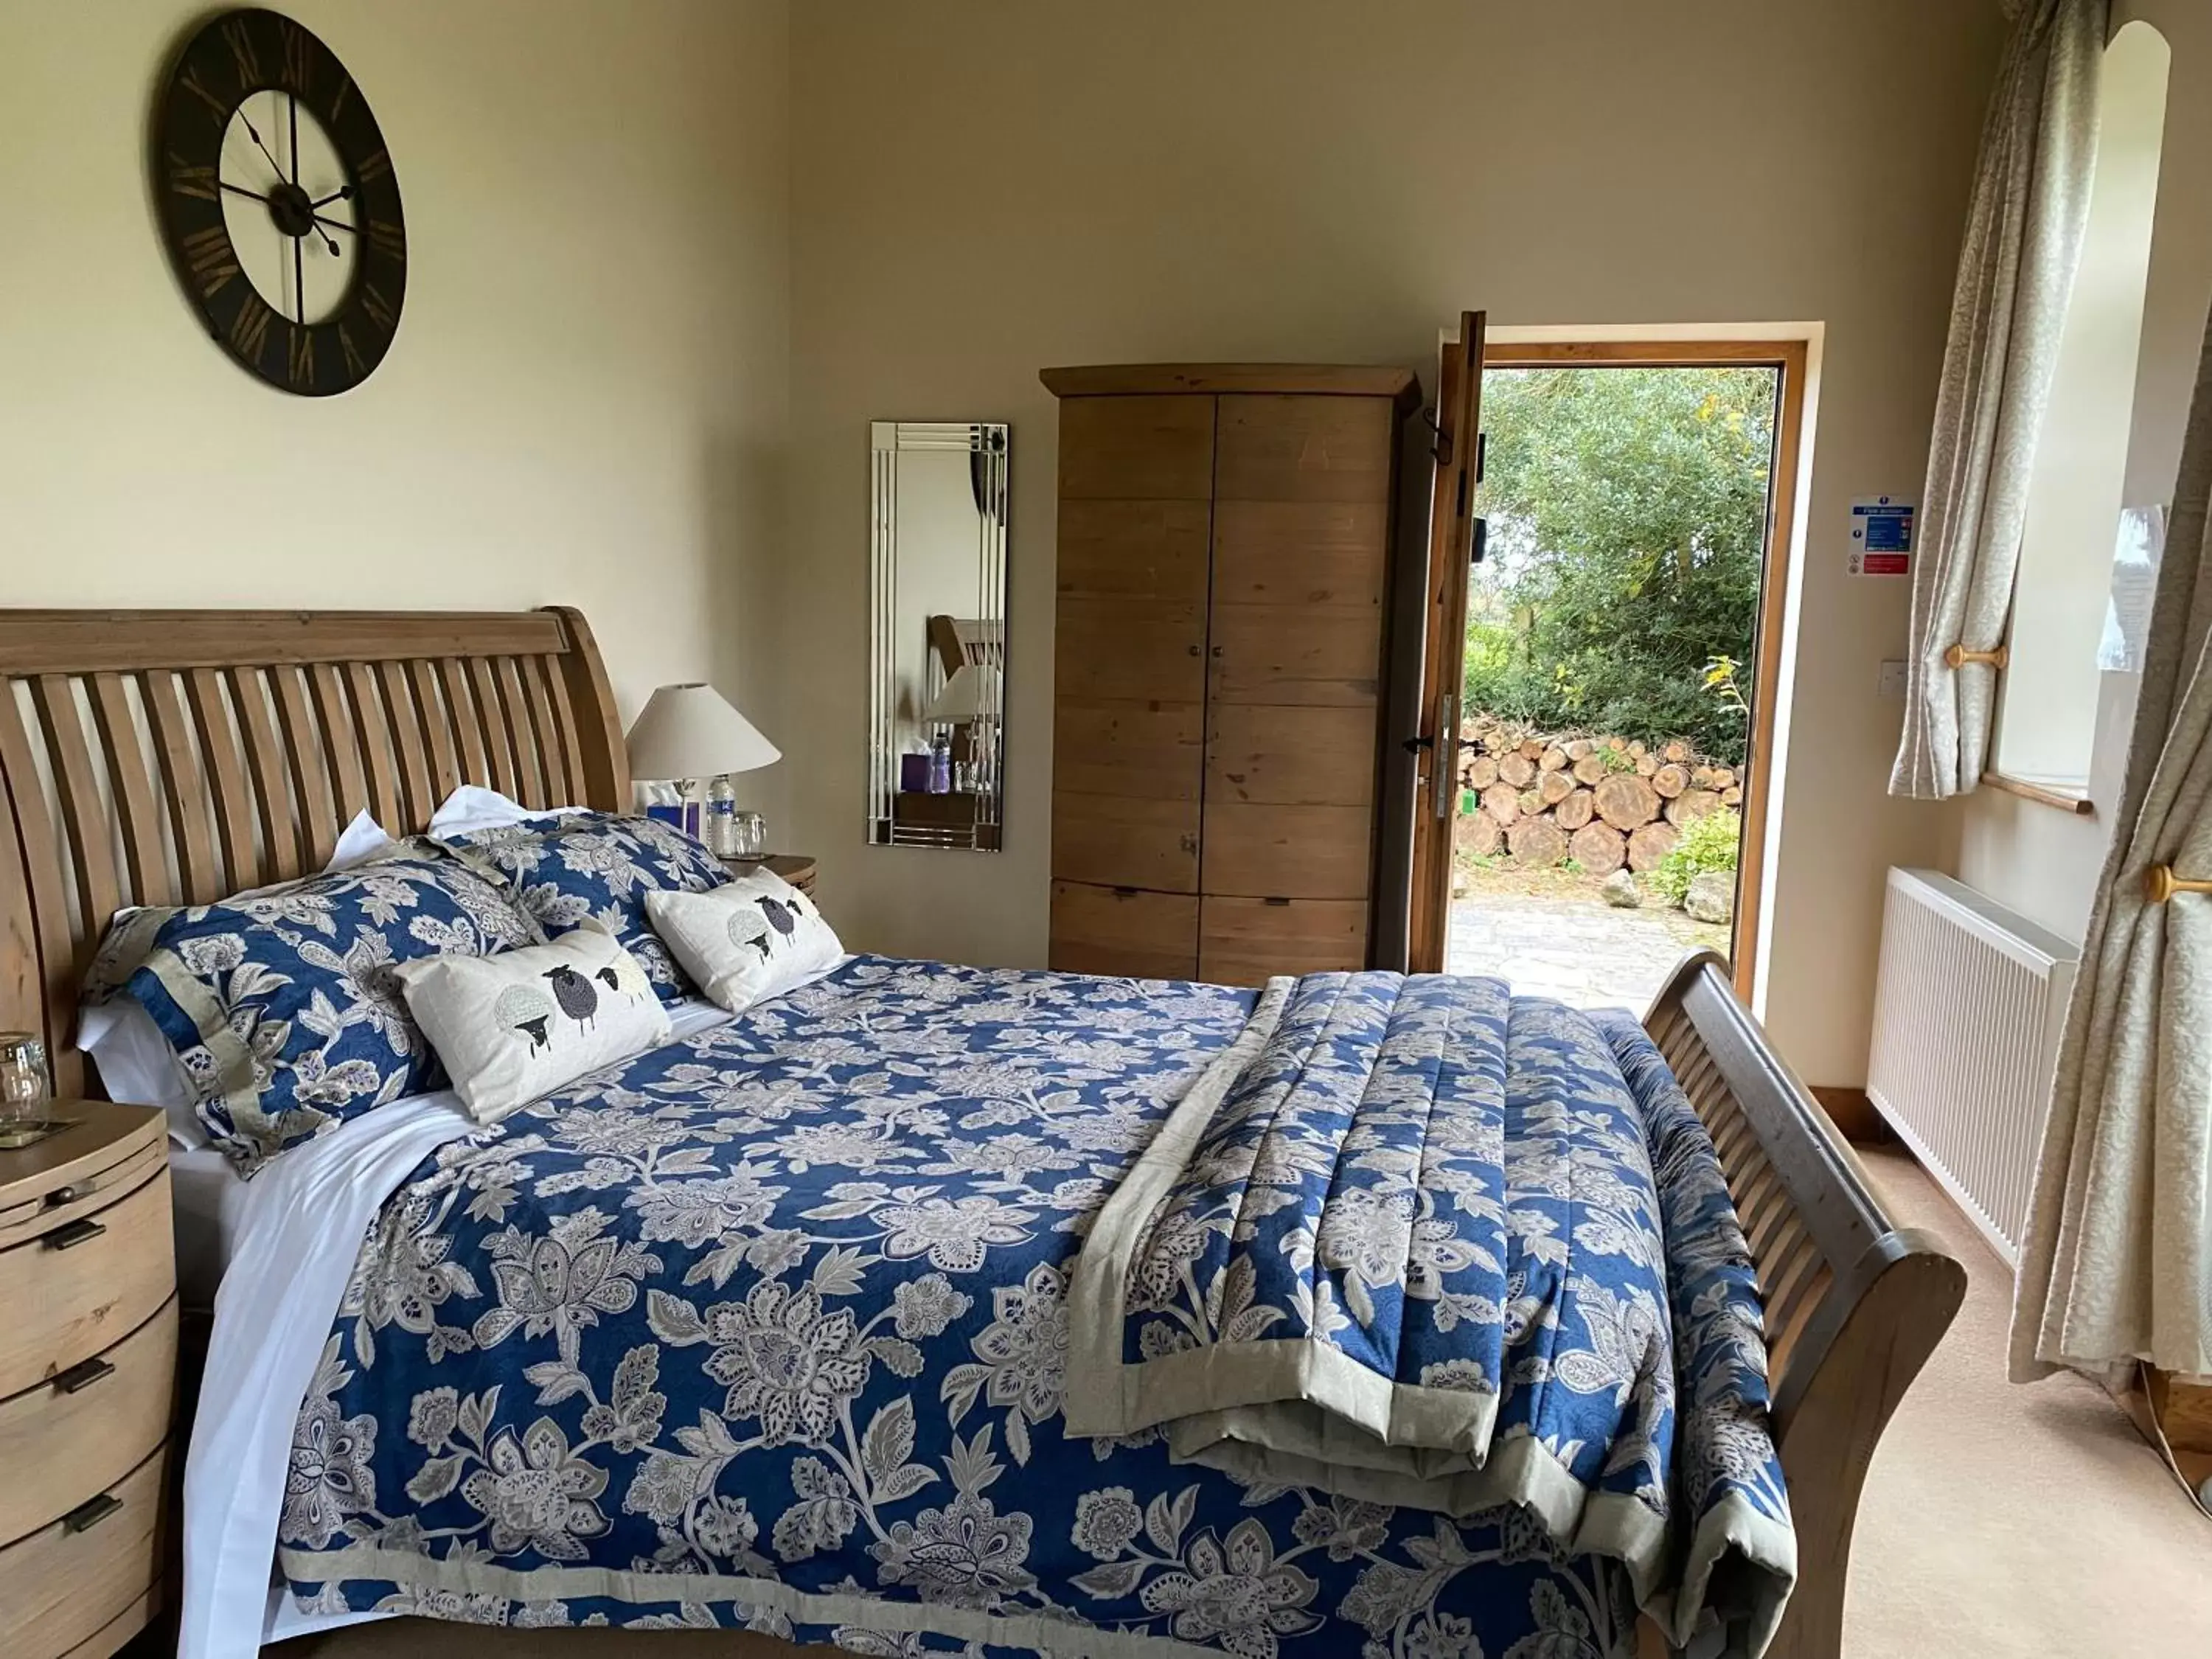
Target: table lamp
686, 733
974, 695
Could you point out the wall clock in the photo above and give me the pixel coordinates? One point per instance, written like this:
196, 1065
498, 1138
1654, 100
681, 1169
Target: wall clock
279, 204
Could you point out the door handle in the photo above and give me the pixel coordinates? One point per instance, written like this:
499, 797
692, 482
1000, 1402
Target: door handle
1447, 745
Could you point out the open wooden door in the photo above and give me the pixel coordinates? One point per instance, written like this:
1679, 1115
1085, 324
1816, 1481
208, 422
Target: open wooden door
1452, 547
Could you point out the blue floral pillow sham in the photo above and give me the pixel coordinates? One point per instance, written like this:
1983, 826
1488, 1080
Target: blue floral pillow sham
281, 1003
570, 867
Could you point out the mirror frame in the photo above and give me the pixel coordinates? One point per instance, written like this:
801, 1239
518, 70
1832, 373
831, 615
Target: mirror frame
992, 442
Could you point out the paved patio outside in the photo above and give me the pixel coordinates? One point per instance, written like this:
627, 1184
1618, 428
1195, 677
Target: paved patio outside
1575, 948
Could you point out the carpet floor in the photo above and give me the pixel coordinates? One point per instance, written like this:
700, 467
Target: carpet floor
1998, 1522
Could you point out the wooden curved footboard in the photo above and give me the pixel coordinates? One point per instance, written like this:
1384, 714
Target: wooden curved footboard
1854, 1304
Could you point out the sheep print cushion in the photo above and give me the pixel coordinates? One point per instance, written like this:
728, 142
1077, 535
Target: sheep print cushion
756, 937
510, 1028
282, 1004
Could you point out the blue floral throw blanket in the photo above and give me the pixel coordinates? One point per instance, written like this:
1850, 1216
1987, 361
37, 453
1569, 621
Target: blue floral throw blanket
1404, 1243
771, 1329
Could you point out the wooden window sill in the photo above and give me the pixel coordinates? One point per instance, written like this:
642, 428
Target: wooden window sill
2064, 801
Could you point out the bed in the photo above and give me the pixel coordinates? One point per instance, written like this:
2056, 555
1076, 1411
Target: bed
253, 736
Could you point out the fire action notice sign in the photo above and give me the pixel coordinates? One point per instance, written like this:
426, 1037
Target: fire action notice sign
1881, 536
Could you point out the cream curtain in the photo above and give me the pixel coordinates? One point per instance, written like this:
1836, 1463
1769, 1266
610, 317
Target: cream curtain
2023, 227
2117, 1261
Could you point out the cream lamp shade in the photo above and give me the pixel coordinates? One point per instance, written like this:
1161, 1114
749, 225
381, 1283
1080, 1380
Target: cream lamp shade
975, 692
690, 731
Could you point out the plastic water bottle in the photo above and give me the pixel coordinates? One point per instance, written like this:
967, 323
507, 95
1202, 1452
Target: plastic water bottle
940, 765
722, 836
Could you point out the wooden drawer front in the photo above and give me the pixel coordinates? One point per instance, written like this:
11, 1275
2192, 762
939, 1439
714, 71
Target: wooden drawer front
1134, 549
1289, 756
1115, 841
1327, 655
77, 1187
1137, 448
69, 1582
1286, 852
1102, 930
1301, 553
72, 1291
1138, 649
1244, 941
1143, 751
1312, 448
86, 1429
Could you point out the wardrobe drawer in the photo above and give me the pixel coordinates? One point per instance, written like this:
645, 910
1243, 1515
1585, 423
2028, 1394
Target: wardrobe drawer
88, 1427
1264, 851
77, 1288
1114, 840
1123, 932
70, 1580
1245, 941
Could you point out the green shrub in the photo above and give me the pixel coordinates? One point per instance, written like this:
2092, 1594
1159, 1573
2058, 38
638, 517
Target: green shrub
1627, 512
1708, 844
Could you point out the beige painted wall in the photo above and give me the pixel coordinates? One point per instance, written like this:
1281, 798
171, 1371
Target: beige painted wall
586, 402
2041, 862
984, 190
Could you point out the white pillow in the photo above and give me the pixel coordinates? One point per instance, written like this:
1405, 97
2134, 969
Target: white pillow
137, 1064
364, 838
472, 807
755, 936
521, 1023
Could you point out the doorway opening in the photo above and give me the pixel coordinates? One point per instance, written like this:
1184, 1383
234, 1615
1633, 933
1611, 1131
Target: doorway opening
1620, 642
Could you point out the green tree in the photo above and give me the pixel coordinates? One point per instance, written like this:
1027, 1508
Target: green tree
1627, 513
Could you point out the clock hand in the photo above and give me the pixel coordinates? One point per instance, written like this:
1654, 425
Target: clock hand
251, 133
250, 195
343, 193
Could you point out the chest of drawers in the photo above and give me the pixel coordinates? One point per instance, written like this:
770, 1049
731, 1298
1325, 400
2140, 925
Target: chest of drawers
87, 1382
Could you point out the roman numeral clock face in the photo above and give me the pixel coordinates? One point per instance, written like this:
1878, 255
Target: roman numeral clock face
279, 204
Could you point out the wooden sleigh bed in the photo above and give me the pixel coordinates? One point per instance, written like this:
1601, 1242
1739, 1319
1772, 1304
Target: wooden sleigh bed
160, 757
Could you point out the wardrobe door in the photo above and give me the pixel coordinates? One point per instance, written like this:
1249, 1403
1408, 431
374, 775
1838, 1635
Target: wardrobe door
1136, 478
1295, 663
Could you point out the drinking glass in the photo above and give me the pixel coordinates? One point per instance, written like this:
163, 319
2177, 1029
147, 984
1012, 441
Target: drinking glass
748, 836
25, 1085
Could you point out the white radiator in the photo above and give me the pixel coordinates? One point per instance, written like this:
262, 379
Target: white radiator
1968, 1008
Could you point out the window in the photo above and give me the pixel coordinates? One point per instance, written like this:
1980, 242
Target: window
2047, 709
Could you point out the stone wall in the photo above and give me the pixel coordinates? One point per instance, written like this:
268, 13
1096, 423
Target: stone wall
1603, 800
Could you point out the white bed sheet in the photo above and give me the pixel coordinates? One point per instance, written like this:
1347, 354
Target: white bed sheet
293, 1233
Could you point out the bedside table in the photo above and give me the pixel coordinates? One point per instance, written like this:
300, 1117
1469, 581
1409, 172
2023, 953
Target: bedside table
88, 1382
796, 868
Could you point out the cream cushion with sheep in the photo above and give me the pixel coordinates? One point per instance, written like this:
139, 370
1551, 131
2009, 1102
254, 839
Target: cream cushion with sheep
512, 1027
756, 937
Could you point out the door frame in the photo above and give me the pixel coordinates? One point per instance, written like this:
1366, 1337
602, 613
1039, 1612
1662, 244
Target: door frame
1790, 357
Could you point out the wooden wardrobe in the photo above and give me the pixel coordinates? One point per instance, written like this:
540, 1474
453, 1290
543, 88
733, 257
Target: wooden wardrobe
1224, 581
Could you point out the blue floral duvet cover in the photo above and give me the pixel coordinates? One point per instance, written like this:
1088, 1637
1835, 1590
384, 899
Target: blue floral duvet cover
769, 1329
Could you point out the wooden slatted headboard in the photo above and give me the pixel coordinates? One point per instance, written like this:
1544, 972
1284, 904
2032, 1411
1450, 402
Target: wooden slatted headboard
173, 757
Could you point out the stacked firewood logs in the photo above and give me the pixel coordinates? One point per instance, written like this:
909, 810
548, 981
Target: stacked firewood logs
1602, 801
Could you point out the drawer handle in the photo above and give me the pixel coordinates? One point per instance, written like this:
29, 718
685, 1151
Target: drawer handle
61, 1195
82, 1375
87, 1515
1271, 900
70, 1234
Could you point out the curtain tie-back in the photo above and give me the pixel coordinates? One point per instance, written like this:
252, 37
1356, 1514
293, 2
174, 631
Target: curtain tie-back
1959, 656
2161, 884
